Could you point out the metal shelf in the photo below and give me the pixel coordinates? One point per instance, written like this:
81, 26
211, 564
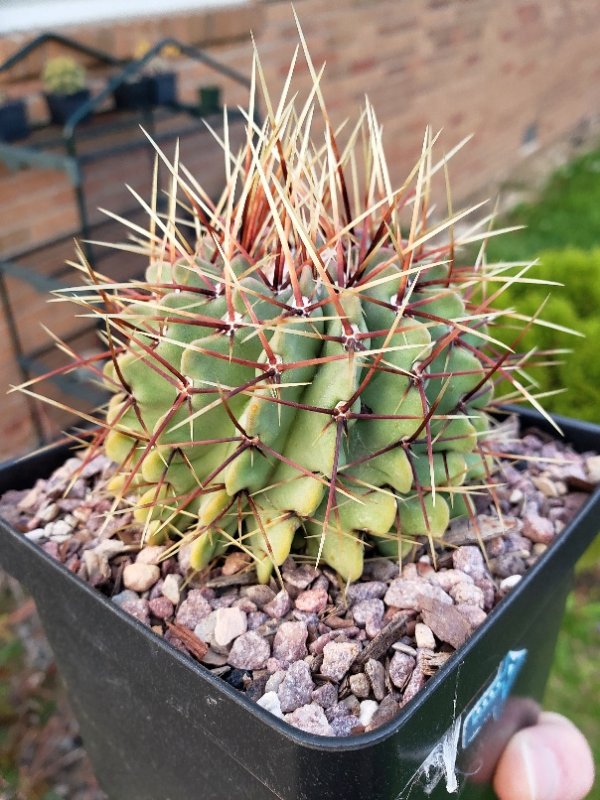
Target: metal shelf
91, 135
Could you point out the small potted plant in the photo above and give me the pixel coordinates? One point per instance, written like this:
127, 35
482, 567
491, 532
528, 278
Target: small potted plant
65, 90
299, 503
209, 99
13, 119
136, 91
159, 70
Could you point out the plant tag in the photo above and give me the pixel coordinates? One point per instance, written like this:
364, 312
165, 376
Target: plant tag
492, 701
440, 764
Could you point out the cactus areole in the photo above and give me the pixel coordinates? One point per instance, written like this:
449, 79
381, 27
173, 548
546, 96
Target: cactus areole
308, 365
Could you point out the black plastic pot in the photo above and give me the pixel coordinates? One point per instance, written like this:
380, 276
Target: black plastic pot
163, 88
61, 106
13, 121
209, 99
133, 95
157, 725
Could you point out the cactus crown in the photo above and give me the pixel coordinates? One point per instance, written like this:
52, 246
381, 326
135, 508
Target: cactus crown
309, 364
63, 75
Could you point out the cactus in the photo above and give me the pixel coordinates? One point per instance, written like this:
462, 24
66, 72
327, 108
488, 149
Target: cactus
309, 366
63, 75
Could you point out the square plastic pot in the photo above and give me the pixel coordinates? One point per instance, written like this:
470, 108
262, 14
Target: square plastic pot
163, 88
62, 106
133, 95
157, 725
13, 121
209, 99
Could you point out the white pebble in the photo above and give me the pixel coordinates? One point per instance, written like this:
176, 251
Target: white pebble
367, 711
36, 535
509, 583
170, 588
150, 554
270, 701
231, 623
140, 577
424, 636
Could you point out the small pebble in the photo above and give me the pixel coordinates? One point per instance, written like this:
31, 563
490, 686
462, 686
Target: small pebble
249, 651
474, 615
270, 702
134, 605
279, 606
407, 593
235, 562
310, 718
365, 590
424, 636
290, 641
401, 668
366, 610
256, 619
151, 554
338, 657
230, 623
161, 607
387, 710
274, 681
360, 685
301, 577
592, 464
469, 559
140, 577
194, 608
506, 584
205, 629
368, 709
260, 595
375, 671
296, 688
171, 588
467, 593
538, 529
312, 601
325, 695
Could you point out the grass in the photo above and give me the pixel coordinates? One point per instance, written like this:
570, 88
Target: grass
567, 214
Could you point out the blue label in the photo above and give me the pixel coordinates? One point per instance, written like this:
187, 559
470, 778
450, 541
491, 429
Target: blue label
490, 704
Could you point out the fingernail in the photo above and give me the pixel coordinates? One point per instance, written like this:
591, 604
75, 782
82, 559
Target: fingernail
540, 769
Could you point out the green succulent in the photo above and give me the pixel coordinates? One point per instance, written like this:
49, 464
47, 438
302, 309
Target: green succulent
63, 75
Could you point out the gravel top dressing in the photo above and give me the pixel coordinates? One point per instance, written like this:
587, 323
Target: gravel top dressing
328, 658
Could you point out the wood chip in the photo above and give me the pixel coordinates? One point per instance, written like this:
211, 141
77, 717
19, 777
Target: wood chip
463, 531
431, 663
195, 646
239, 579
447, 623
386, 637
337, 623
579, 485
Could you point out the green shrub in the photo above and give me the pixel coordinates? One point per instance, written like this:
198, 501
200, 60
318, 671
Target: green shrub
566, 214
575, 306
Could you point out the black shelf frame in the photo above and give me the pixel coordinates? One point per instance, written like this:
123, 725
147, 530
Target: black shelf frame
61, 149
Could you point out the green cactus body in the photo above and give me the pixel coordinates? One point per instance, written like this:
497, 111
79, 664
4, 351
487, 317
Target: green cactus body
239, 420
311, 376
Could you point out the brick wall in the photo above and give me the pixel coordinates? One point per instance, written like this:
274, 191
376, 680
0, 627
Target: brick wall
506, 72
